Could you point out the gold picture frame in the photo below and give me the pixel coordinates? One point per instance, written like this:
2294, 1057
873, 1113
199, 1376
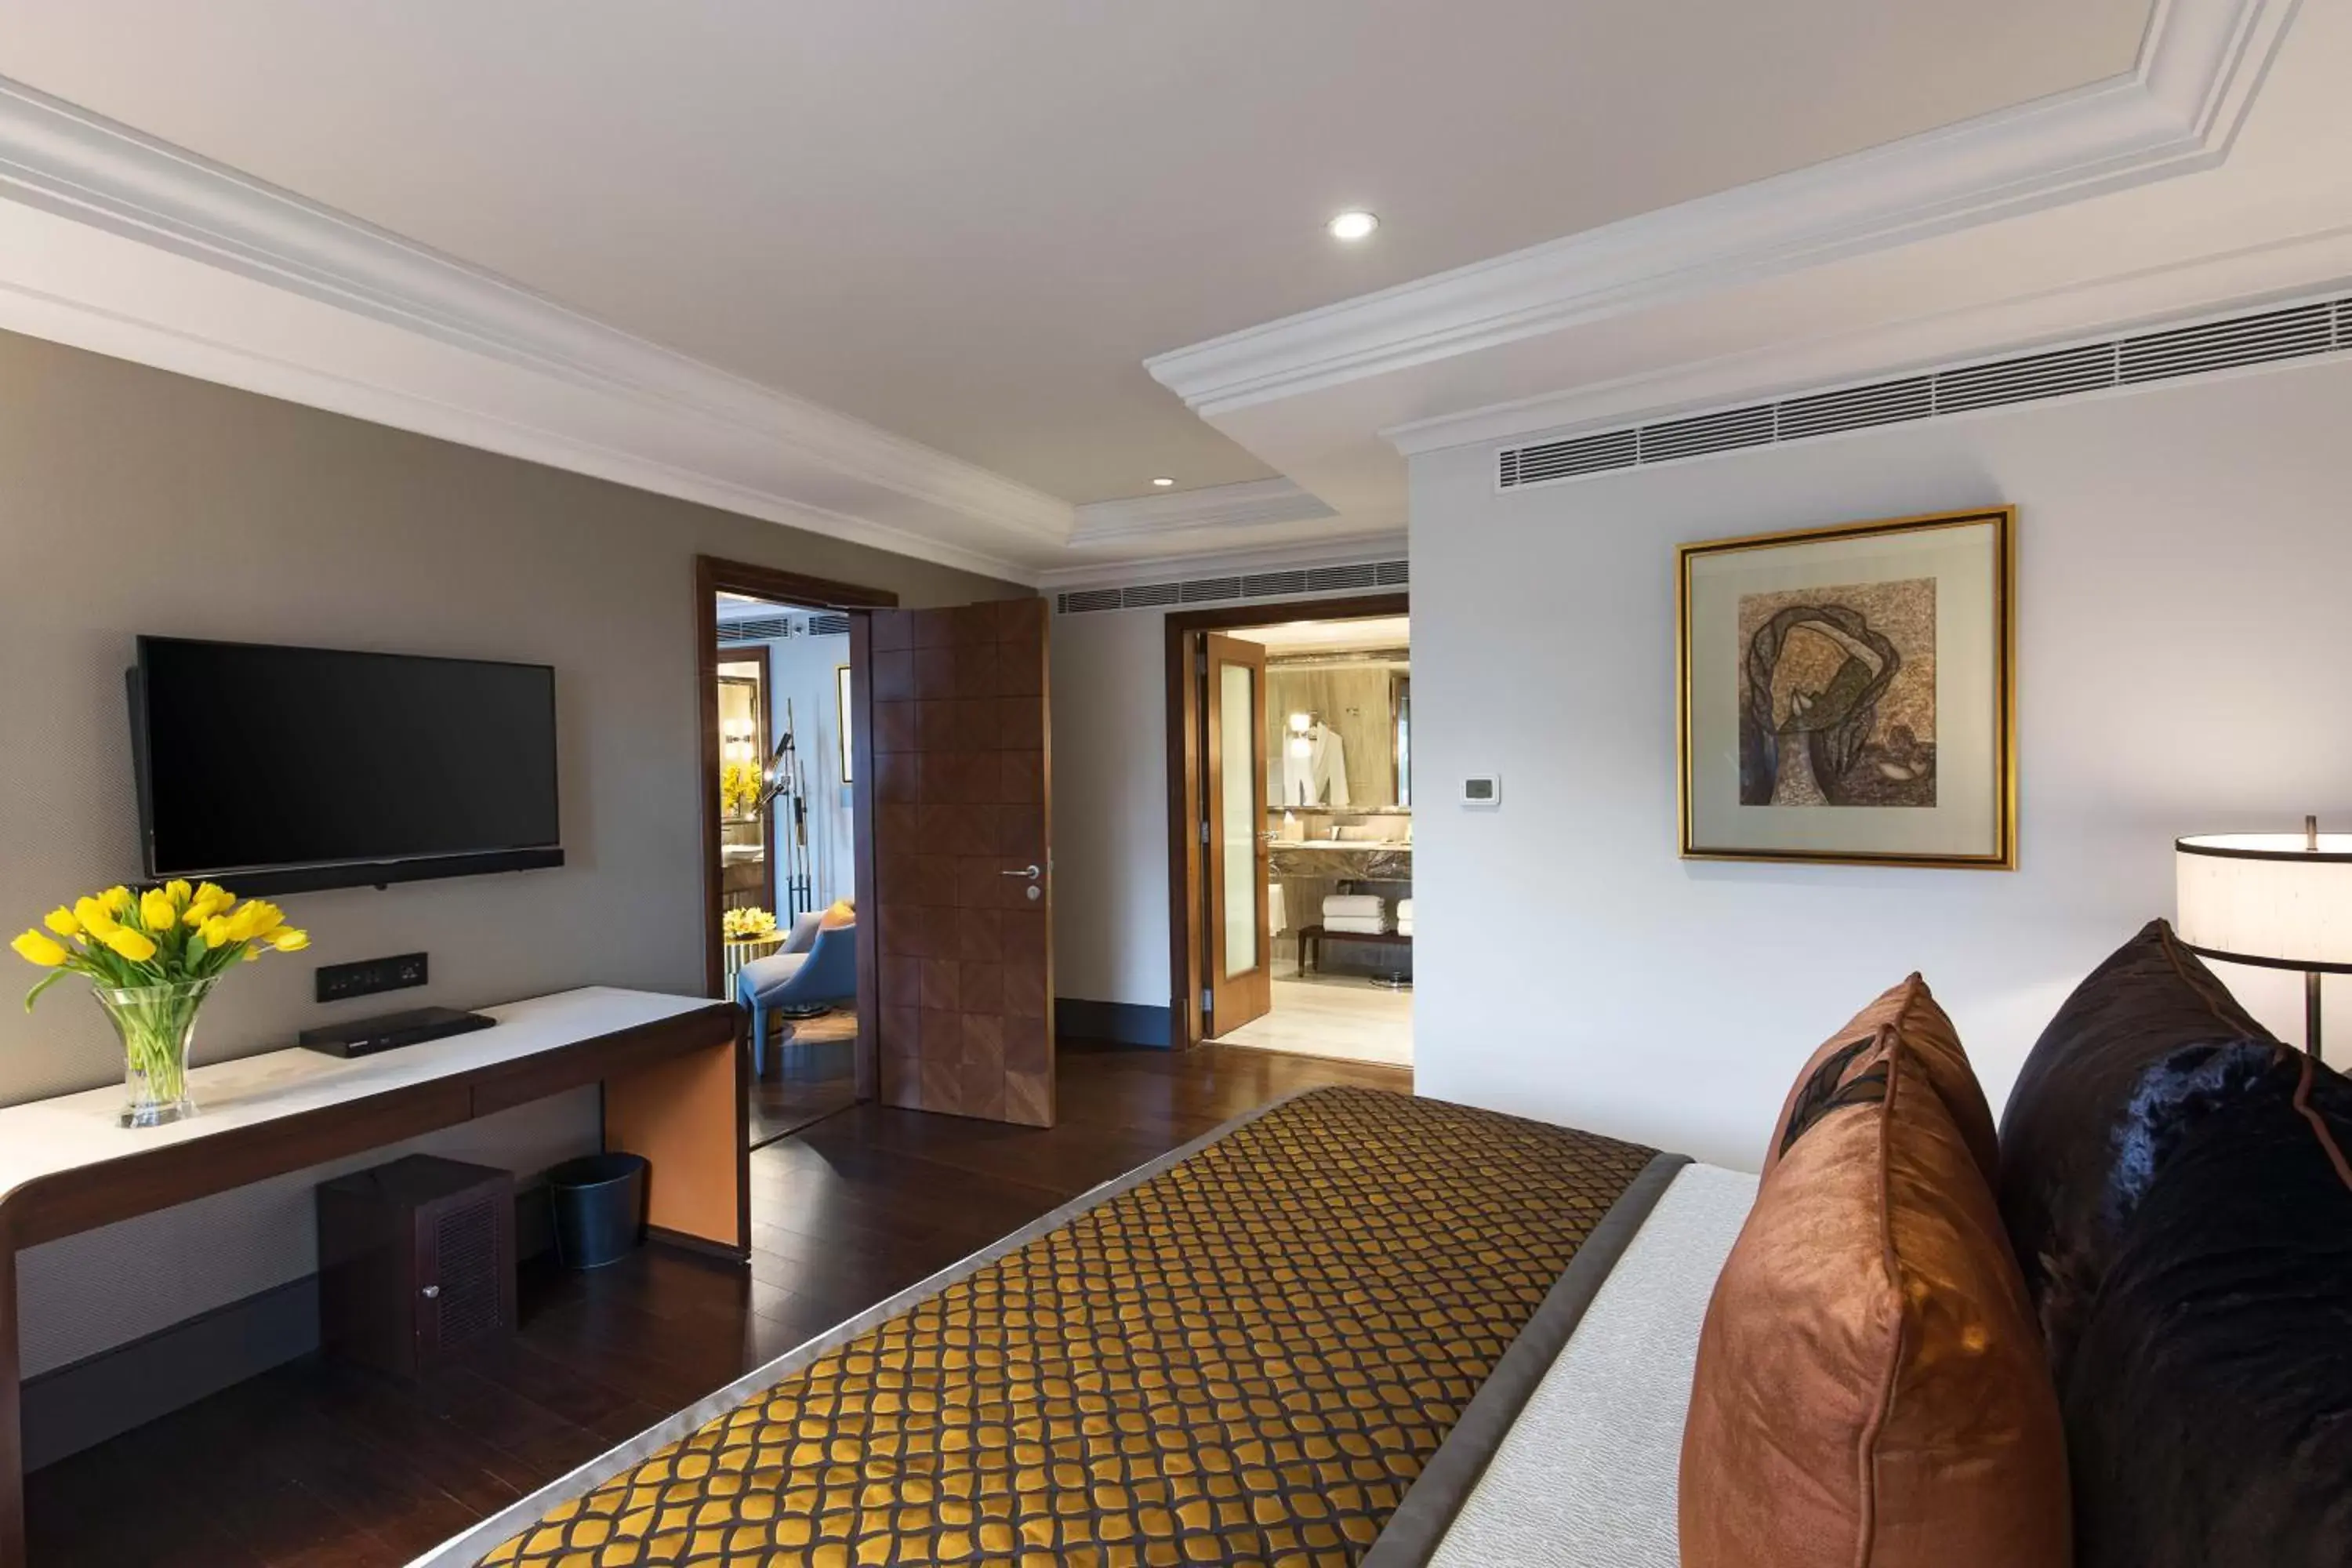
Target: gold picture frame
1846, 695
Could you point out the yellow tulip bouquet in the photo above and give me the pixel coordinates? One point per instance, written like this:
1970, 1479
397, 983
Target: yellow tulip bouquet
151, 959
739, 788
739, 923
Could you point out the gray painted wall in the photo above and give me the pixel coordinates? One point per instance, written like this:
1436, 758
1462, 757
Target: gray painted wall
134, 501
2181, 642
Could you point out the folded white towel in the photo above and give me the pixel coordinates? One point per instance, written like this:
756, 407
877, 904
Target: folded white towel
1404, 909
1404, 928
1362, 904
1355, 925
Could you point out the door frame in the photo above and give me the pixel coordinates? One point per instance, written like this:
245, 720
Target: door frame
712, 576
1186, 883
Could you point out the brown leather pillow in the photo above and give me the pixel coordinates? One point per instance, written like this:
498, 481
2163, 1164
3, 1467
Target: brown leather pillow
1912, 1012
1870, 1388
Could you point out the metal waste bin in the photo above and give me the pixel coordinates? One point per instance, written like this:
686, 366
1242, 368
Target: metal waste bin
600, 1208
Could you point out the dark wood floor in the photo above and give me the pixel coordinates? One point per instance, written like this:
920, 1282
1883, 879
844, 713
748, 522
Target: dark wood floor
810, 1074
314, 1465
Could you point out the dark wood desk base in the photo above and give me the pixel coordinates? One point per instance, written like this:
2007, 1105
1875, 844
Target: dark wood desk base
675, 1092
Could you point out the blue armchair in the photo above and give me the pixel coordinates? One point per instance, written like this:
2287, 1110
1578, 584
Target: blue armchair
814, 969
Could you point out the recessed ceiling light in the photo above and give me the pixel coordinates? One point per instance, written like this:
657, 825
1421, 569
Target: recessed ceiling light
1164, 483
1353, 226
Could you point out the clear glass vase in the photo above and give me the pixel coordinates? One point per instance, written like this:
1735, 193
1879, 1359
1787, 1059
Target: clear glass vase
155, 1023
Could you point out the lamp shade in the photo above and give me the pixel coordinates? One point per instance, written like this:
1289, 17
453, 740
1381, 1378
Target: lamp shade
2268, 899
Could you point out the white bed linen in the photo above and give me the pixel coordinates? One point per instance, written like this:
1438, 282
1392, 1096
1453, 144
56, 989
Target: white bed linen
1585, 1478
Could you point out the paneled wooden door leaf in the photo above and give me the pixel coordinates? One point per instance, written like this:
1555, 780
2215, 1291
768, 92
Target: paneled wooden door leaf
962, 903
1234, 851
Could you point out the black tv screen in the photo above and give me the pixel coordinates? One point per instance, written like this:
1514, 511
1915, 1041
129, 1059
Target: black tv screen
290, 768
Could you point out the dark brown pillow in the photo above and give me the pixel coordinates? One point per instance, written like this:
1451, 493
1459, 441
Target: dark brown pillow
2060, 1134
1870, 1387
2209, 1404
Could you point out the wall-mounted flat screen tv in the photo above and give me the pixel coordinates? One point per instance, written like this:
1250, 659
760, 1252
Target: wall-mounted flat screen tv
285, 769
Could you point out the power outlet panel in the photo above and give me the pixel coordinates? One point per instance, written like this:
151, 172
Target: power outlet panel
341, 981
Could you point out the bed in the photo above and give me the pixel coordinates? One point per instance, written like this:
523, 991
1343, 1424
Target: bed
1350, 1327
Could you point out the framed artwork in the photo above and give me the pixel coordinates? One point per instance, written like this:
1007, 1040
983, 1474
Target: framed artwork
1847, 695
841, 708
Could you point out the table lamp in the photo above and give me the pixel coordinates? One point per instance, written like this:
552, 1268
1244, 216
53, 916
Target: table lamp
2282, 900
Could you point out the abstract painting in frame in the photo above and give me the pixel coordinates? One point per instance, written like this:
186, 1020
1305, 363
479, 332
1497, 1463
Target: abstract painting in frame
1847, 694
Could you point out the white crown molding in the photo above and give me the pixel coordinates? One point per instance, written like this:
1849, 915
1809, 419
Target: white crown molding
1258, 503
556, 365
2176, 111
1356, 549
2273, 273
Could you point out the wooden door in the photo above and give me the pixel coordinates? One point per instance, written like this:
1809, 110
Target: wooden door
1234, 855
962, 903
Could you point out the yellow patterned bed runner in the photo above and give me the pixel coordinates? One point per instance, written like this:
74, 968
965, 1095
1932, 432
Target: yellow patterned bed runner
1247, 1358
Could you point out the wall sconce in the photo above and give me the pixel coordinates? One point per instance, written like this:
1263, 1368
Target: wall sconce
1301, 745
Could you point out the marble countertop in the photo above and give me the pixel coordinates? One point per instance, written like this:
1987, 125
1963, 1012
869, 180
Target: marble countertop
1377, 846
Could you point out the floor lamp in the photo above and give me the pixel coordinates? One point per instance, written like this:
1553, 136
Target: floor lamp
2282, 900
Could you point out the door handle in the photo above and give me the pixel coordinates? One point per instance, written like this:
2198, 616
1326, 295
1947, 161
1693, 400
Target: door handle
1032, 874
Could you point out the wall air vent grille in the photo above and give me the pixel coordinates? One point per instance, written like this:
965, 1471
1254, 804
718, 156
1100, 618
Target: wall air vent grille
2022, 380
2296, 333
1856, 408
1341, 579
765, 628
1272, 585
776, 628
2225, 345
1283, 584
1706, 433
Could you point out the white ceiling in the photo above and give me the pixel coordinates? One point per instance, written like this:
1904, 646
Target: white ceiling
1381, 632
970, 225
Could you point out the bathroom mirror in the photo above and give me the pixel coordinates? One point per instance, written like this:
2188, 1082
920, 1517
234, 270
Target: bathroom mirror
1339, 732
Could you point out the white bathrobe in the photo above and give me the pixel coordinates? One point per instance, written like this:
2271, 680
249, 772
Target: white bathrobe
1318, 778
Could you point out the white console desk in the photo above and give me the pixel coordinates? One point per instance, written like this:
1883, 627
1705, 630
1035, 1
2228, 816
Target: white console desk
673, 1075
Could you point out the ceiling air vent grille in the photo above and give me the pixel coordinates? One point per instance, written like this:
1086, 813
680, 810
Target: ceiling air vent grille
830, 626
1283, 584
2296, 333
